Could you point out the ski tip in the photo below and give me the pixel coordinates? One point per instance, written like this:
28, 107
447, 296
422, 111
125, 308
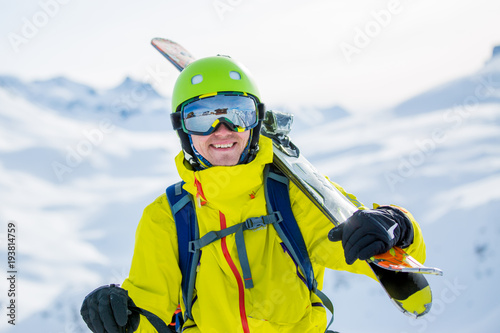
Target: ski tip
417, 305
158, 40
174, 52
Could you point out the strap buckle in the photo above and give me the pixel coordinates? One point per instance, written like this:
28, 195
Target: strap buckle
277, 216
254, 222
257, 222
192, 246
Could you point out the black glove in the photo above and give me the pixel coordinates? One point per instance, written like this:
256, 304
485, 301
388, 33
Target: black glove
372, 231
106, 310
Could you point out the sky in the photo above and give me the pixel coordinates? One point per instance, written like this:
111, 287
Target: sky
363, 55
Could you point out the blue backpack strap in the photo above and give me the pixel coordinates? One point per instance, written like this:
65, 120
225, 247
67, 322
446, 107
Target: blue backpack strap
278, 200
181, 205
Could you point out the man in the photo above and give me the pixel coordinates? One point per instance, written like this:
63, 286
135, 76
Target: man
217, 114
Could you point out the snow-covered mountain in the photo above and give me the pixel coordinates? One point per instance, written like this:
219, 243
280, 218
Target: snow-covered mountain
481, 87
79, 165
80, 101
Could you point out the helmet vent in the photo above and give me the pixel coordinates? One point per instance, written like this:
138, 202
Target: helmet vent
197, 79
235, 75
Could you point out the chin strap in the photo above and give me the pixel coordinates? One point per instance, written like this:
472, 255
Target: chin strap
203, 163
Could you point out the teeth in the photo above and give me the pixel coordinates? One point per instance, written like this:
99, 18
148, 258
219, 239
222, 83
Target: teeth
227, 145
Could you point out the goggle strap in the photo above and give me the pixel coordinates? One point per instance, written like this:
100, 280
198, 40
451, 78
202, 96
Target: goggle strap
175, 118
262, 110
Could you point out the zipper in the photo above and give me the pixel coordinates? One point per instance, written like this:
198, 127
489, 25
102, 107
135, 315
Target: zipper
237, 275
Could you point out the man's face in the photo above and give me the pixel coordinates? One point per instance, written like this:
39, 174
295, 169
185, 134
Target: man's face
223, 147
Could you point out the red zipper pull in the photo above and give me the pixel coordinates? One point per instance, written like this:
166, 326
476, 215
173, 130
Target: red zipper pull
199, 193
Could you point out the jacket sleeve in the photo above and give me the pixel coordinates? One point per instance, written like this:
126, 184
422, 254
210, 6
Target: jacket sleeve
315, 227
155, 278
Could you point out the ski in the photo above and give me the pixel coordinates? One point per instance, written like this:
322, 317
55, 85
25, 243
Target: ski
176, 54
399, 274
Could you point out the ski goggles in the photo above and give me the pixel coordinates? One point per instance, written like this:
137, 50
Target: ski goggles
201, 115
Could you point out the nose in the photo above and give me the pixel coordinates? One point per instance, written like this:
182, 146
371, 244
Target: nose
222, 129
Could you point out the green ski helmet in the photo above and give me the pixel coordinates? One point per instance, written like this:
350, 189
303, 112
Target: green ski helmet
207, 76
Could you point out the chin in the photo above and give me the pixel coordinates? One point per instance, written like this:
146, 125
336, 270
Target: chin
225, 162
225, 159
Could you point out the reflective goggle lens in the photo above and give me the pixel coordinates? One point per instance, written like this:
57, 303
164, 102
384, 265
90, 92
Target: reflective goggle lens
202, 116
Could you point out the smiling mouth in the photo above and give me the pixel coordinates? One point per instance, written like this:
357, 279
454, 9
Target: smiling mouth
227, 145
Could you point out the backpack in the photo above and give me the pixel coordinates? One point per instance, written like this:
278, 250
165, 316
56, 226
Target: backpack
280, 216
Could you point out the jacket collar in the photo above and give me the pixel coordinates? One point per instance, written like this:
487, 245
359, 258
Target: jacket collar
222, 184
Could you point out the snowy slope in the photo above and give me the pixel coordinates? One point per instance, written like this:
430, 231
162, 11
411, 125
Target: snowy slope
77, 171
76, 188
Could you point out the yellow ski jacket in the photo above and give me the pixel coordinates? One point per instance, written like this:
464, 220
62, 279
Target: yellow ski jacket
279, 300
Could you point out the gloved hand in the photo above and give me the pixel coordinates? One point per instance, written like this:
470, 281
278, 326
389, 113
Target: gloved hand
106, 310
372, 231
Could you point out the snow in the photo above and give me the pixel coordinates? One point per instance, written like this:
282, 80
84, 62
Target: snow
77, 173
